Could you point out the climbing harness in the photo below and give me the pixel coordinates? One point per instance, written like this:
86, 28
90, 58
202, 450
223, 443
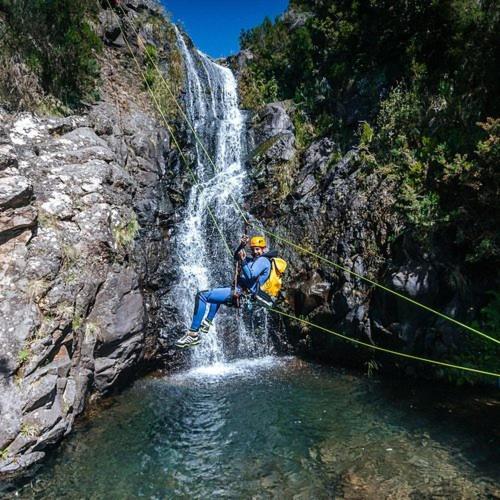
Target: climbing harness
228, 249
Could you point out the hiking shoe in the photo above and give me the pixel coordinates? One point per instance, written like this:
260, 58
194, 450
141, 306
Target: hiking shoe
190, 339
205, 326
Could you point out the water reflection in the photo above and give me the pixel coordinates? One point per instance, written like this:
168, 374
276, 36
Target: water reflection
275, 428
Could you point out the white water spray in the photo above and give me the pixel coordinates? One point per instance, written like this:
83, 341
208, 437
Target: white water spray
211, 102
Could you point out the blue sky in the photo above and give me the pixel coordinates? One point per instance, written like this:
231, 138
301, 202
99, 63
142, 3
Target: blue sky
215, 25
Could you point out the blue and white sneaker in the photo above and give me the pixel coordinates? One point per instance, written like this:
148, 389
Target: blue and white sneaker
189, 339
205, 326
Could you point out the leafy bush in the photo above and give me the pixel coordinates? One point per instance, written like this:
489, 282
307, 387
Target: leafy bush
55, 41
255, 90
408, 83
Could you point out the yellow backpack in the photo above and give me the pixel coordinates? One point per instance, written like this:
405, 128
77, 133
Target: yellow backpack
272, 285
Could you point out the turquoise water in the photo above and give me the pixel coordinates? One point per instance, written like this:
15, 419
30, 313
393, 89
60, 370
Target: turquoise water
277, 428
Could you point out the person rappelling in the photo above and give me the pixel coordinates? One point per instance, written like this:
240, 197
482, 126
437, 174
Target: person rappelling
256, 278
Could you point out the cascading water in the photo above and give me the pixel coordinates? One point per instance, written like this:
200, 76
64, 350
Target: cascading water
211, 102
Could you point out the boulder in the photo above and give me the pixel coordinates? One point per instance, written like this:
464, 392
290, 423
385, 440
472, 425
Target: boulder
15, 191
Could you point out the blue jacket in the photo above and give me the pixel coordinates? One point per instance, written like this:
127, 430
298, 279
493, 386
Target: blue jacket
254, 273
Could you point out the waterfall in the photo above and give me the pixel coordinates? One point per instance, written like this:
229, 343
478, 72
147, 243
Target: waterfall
211, 103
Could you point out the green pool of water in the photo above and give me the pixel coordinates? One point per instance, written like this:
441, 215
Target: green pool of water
275, 428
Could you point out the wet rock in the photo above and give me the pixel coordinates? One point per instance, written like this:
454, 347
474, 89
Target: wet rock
15, 191
41, 392
109, 23
85, 206
14, 220
415, 281
316, 161
8, 157
12, 466
243, 58
307, 185
117, 322
10, 411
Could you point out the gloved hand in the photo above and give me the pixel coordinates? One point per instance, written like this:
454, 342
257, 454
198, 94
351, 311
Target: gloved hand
244, 240
242, 255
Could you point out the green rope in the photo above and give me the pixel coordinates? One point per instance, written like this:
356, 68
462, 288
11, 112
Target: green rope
390, 290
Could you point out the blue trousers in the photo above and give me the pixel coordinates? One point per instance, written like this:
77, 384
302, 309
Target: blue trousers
214, 298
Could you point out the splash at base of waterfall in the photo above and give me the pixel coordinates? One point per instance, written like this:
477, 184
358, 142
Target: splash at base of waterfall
238, 368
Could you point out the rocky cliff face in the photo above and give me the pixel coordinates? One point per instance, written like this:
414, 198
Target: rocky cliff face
87, 204
329, 204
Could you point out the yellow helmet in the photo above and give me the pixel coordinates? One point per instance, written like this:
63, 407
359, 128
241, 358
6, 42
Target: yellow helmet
258, 241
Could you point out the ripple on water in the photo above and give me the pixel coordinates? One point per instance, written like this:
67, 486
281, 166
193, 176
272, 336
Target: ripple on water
272, 427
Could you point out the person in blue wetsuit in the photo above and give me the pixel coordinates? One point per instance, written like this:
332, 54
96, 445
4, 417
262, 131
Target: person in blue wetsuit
254, 271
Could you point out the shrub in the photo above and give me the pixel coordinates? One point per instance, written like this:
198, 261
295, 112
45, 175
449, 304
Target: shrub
165, 84
24, 355
479, 352
56, 43
125, 231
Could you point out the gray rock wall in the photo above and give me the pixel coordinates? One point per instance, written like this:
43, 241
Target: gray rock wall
87, 207
84, 222
331, 205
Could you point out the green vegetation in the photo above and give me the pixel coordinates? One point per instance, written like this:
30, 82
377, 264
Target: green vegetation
24, 355
167, 86
70, 255
476, 348
125, 231
372, 367
36, 289
92, 332
77, 322
29, 430
47, 220
49, 53
255, 90
70, 260
347, 54
413, 85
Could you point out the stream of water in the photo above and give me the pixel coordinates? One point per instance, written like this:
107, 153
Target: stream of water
211, 102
